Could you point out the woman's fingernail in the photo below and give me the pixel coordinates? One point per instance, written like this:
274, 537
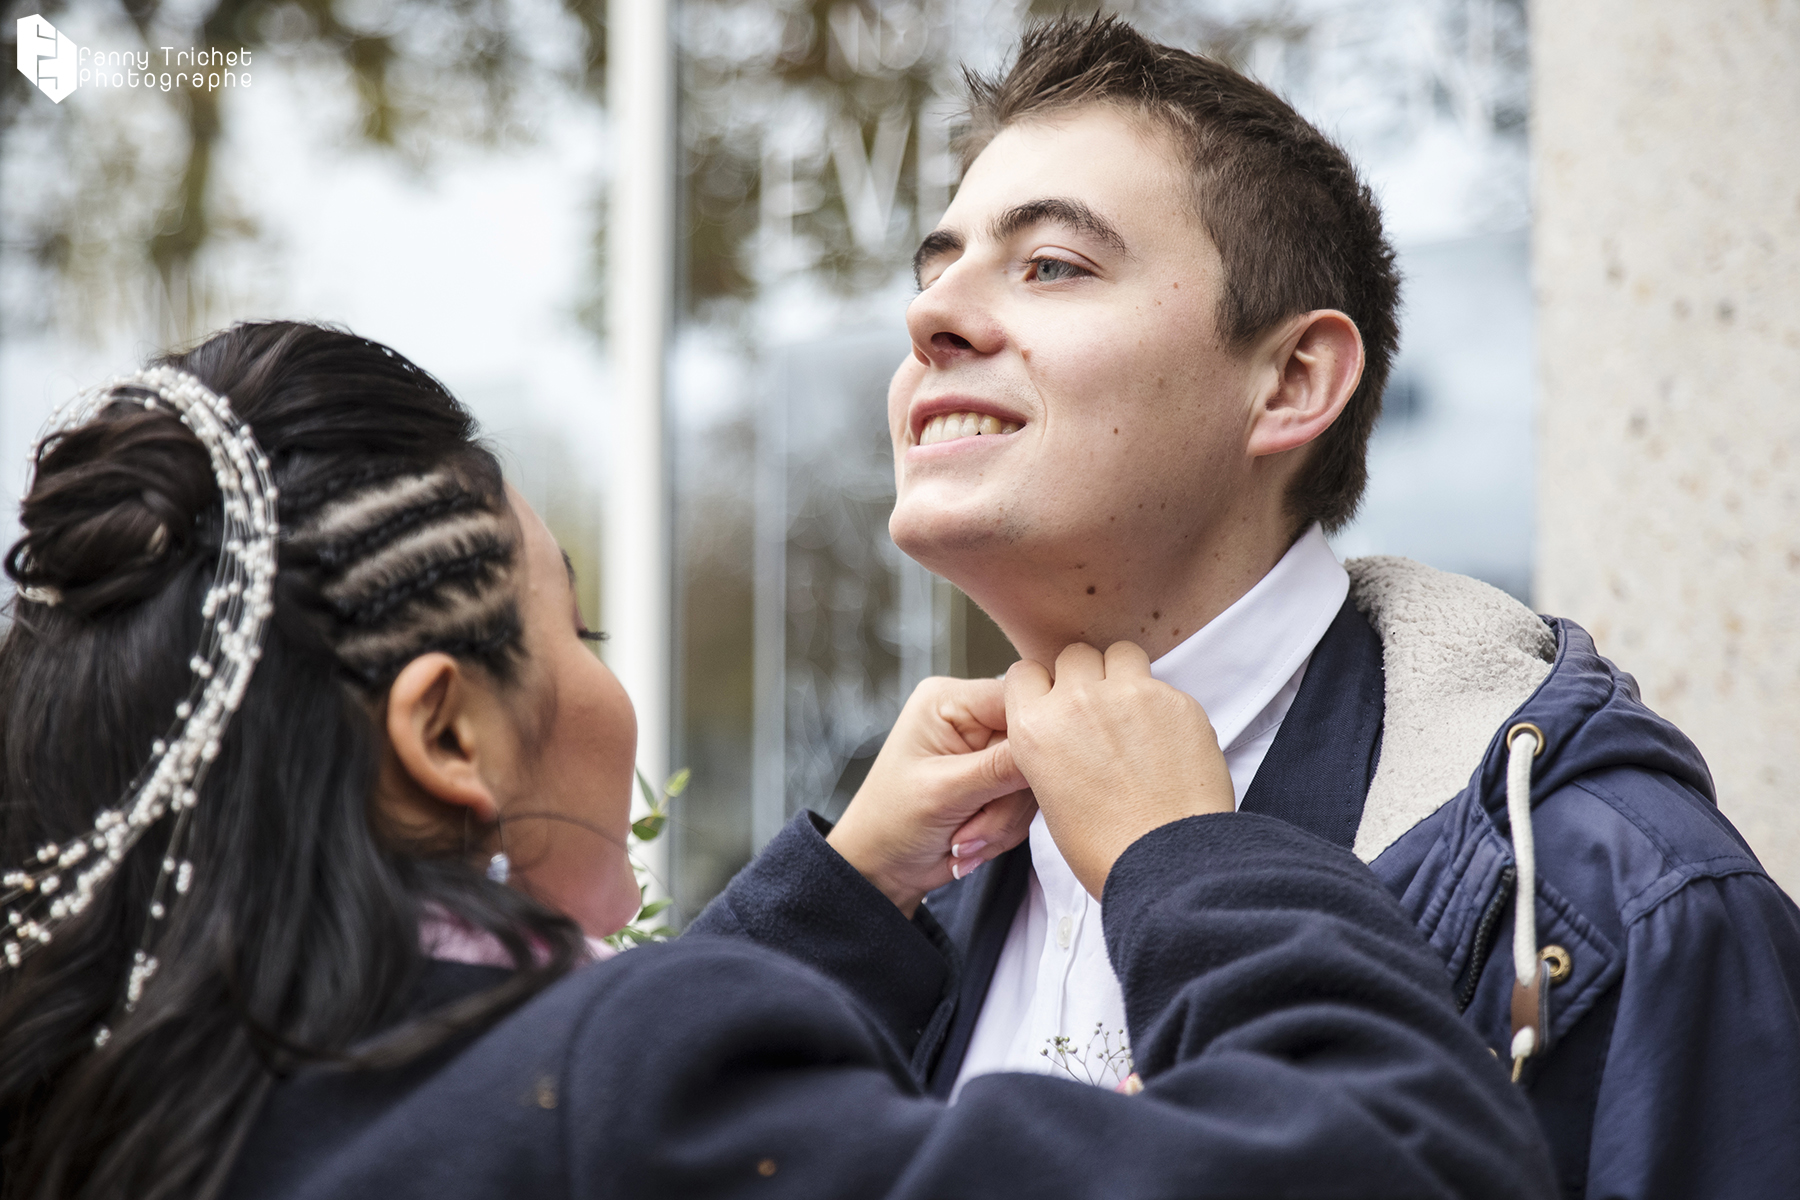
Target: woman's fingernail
960, 869
968, 849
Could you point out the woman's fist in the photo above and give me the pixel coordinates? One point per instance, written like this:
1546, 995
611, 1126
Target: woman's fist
1111, 753
943, 796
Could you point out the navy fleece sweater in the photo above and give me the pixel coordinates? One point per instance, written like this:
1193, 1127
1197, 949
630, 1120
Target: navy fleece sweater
1293, 1030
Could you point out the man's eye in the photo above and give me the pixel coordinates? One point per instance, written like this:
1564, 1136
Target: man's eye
1054, 270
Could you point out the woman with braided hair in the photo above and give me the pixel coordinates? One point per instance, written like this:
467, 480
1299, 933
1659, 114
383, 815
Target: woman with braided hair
317, 800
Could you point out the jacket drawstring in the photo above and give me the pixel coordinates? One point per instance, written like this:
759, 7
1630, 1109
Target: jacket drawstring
1531, 982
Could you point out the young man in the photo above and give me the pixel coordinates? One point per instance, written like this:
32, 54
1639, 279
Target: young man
1148, 349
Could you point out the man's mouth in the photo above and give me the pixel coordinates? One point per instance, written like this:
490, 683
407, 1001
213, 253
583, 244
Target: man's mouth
946, 426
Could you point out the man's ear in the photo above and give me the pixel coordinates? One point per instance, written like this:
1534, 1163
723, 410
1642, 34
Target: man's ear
439, 726
1317, 361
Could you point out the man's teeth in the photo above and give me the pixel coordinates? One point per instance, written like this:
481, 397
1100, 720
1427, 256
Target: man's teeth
945, 426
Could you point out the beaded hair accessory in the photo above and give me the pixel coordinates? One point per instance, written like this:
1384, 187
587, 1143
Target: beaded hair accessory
63, 878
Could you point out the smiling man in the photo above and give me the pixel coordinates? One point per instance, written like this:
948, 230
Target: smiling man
1148, 348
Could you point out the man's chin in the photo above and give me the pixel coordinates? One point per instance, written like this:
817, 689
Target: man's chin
955, 545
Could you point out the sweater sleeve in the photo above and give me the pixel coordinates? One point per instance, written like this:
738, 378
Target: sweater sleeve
801, 898
1296, 1035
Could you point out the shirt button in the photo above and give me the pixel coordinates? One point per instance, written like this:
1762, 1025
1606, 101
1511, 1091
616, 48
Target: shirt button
1065, 930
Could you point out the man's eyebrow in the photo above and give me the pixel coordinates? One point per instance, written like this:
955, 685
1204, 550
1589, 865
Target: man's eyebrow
938, 241
569, 566
1056, 209
1061, 211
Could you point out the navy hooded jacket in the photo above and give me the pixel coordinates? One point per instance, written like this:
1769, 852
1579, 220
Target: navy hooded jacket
1294, 1032
1673, 1068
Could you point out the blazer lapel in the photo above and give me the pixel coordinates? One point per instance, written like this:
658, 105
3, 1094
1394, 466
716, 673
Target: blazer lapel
977, 921
1318, 769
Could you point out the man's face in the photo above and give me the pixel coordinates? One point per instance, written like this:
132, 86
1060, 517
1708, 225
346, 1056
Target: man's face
1068, 310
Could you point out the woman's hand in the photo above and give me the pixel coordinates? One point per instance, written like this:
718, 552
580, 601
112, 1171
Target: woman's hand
1111, 753
943, 796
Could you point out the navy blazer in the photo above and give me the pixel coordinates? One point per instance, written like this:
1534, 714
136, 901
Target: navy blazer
1295, 1035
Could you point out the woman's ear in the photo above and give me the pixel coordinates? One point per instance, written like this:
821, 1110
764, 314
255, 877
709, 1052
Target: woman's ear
1317, 359
442, 725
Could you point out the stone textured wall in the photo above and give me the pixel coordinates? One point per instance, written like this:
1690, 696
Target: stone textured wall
1666, 140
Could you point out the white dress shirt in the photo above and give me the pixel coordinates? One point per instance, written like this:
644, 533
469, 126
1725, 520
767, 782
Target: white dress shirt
1053, 979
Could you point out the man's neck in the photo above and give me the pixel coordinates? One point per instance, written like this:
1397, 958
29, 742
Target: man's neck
1155, 599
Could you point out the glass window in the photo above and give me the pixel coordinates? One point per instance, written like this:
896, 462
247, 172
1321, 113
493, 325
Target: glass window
816, 144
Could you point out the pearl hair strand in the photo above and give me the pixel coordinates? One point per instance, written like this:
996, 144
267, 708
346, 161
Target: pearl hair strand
62, 879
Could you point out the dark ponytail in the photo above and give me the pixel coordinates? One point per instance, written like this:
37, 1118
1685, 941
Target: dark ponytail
299, 941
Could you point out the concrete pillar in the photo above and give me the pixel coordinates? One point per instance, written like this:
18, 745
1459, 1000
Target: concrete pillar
1666, 140
636, 590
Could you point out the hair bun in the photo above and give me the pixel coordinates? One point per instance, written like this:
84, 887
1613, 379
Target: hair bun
112, 509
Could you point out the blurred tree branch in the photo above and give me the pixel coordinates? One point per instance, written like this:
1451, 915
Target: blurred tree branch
138, 207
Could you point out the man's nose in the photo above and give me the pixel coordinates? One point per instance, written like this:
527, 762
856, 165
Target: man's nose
954, 319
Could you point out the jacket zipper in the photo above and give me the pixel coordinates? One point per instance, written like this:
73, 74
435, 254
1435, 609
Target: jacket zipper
1484, 937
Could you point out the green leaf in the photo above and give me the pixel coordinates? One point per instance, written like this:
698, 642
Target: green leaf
650, 910
644, 787
647, 829
677, 783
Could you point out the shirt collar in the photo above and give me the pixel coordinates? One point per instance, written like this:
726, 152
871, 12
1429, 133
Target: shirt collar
1238, 661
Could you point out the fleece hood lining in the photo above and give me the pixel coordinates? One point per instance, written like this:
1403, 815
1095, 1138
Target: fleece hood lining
1459, 657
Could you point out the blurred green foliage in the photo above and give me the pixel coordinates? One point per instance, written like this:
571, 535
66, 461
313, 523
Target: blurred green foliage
646, 829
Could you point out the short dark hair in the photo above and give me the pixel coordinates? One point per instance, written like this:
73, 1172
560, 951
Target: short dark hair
1295, 226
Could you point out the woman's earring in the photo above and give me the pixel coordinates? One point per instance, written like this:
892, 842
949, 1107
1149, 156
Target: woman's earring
499, 867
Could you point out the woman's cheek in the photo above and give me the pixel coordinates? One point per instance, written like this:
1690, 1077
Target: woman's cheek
593, 884
600, 885
622, 904
611, 897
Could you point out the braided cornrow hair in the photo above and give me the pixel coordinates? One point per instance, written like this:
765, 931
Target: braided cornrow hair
300, 938
411, 563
